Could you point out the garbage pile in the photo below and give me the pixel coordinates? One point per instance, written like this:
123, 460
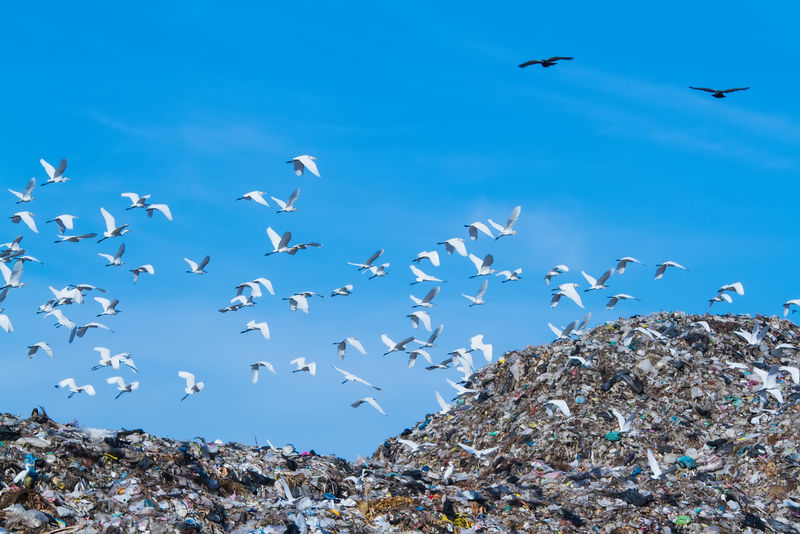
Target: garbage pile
665, 423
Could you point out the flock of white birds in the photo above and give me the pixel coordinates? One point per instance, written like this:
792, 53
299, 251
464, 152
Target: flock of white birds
14, 255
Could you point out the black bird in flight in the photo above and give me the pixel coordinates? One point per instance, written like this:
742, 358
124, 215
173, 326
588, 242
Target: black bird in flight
544, 62
717, 93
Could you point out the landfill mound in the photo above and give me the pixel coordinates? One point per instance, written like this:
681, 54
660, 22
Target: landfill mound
713, 400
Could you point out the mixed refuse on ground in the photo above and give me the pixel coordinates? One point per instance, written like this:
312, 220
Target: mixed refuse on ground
665, 423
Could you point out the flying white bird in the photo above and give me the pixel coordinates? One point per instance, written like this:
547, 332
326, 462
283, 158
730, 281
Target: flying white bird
136, 200
720, 297
622, 263
508, 229
430, 255
162, 208
557, 403
616, 298
476, 452
65, 322
302, 366
368, 263
298, 302
377, 270
569, 291
281, 243
788, 304
107, 360
32, 349
555, 271
254, 370
735, 287
600, 283
454, 244
661, 267
769, 383
565, 331
482, 265
412, 357
252, 326
25, 196
197, 268
478, 300
343, 291
255, 290
122, 387
288, 206
147, 268
418, 317
444, 407
255, 196
623, 422
341, 346
476, 343
371, 401
753, 338
395, 347
192, 386
64, 222
70, 383
511, 276
654, 467
476, 227
304, 162
112, 230
414, 446
350, 377
74, 238
54, 175
421, 276
115, 260
12, 276
27, 218
425, 302
430, 342
461, 390
109, 306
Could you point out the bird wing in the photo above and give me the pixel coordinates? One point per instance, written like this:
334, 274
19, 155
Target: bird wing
163, 208
476, 261
266, 283
386, 340
309, 164
560, 58
258, 196
442, 404
356, 344
432, 293
48, 168
706, 89
572, 294
116, 380
111, 224
189, 377
483, 228
735, 89
29, 187
417, 272
554, 329
293, 198
660, 271
133, 197
67, 382
5, 323
458, 245
512, 218
27, 218
496, 226
204, 262
62, 166
612, 302
274, 238
285, 238
192, 265
105, 303
424, 318
605, 276
374, 257
529, 63
88, 388
482, 290
469, 449
592, 281
654, 467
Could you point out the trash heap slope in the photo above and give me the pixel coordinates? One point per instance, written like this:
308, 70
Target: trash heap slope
726, 449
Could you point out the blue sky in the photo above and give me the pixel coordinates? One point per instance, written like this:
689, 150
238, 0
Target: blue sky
422, 122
